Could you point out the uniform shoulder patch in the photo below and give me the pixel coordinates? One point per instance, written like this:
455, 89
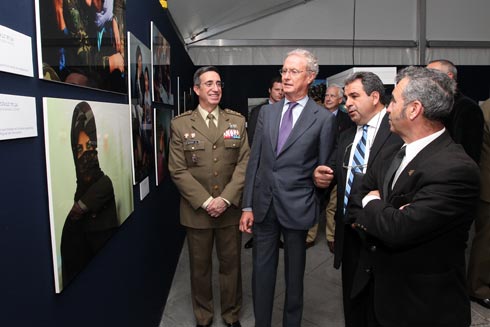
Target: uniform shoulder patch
231, 112
186, 113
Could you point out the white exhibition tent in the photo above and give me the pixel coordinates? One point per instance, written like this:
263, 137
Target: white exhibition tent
339, 32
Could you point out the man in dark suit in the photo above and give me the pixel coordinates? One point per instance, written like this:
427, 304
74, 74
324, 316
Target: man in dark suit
292, 137
417, 211
275, 94
334, 96
364, 93
208, 156
465, 121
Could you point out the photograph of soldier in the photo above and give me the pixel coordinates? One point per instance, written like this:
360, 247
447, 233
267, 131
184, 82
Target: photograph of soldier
89, 179
141, 108
82, 42
160, 49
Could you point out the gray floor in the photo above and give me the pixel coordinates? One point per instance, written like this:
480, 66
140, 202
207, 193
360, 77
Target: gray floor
322, 307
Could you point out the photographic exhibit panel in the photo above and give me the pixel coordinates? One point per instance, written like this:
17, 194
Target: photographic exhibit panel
83, 43
162, 82
163, 117
141, 108
90, 189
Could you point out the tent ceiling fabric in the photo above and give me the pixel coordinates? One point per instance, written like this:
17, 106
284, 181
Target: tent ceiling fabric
339, 32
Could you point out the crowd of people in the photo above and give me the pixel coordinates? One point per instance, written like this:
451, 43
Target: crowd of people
400, 182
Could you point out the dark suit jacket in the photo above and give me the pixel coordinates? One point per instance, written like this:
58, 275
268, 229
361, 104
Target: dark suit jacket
285, 179
383, 139
252, 121
343, 121
465, 125
416, 256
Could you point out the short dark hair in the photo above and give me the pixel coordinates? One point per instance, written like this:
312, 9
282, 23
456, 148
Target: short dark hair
276, 79
370, 82
203, 70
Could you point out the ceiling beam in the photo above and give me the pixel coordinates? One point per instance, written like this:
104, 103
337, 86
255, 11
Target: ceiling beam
206, 32
306, 43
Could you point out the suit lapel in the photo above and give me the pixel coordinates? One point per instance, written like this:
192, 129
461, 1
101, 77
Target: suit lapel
381, 136
430, 150
346, 139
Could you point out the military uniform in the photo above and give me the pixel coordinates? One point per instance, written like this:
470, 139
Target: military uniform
203, 166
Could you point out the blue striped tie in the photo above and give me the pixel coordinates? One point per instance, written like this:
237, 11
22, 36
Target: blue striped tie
357, 162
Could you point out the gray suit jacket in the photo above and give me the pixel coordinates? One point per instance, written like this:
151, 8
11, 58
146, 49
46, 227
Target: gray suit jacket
284, 179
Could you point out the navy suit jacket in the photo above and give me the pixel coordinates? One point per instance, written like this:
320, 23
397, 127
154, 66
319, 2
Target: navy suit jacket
285, 179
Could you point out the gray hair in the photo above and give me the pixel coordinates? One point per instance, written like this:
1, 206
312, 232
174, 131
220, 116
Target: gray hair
311, 59
340, 88
202, 70
433, 88
447, 65
370, 82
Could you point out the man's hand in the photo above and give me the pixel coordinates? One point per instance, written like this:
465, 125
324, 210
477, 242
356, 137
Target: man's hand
76, 212
246, 222
322, 176
216, 207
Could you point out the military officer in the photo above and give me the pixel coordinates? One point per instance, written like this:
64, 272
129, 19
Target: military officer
208, 156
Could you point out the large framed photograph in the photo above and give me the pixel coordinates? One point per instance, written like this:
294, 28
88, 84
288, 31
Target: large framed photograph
141, 107
90, 189
83, 42
162, 81
163, 117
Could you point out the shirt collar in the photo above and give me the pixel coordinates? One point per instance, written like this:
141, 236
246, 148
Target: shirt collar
204, 113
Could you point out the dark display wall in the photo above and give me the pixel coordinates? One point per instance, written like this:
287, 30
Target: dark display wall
128, 281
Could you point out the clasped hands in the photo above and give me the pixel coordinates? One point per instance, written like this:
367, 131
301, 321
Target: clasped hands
216, 207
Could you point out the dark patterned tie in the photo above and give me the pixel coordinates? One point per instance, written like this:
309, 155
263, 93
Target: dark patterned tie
390, 173
286, 126
357, 164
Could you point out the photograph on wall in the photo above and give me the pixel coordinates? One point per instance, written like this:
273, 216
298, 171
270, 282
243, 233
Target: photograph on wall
163, 117
160, 49
90, 189
141, 108
83, 42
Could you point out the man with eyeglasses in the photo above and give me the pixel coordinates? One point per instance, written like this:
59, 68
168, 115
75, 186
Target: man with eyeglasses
334, 96
208, 156
292, 137
364, 93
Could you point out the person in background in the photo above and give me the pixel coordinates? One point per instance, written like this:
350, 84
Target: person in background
465, 121
479, 265
208, 156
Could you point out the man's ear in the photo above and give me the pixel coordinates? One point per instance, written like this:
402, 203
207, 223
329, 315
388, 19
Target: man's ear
376, 97
414, 110
196, 89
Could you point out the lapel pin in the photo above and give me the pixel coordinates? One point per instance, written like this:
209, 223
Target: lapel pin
410, 172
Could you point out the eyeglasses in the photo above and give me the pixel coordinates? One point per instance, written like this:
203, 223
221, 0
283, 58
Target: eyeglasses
293, 72
345, 161
331, 96
210, 84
